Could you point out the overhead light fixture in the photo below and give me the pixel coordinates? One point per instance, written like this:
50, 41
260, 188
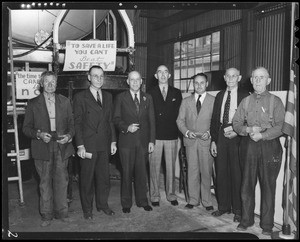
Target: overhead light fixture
22, 5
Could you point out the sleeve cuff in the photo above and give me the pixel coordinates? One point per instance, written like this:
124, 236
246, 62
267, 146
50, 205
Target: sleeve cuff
186, 133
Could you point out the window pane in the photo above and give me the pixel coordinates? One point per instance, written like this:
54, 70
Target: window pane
177, 73
206, 64
199, 68
191, 48
215, 62
216, 43
195, 56
184, 49
191, 71
183, 69
177, 84
177, 50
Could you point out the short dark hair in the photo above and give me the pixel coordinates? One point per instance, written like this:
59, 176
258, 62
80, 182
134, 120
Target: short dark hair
200, 74
95, 66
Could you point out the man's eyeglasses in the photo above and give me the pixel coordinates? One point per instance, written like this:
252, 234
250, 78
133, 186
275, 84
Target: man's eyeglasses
259, 78
231, 77
97, 77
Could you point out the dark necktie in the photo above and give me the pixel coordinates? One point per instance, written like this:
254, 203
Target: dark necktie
226, 109
137, 104
99, 100
198, 104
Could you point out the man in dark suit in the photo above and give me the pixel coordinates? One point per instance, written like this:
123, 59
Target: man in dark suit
50, 125
166, 100
225, 144
95, 135
134, 118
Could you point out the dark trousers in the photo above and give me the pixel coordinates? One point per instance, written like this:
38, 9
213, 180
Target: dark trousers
260, 160
228, 174
94, 179
133, 161
53, 185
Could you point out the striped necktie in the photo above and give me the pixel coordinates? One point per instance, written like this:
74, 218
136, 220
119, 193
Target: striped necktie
226, 109
137, 104
99, 100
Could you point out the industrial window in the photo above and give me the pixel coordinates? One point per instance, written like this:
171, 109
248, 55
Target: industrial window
195, 56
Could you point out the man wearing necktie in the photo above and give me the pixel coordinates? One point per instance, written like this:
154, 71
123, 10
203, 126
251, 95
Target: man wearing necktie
166, 100
224, 146
50, 125
95, 134
134, 118
194, 122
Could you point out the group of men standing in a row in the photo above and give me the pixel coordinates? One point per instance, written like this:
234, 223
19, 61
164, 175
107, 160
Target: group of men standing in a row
148, 125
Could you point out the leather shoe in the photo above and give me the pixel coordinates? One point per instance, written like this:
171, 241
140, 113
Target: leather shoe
147, 208
219, 213
241, 227
189, 206
126, 210
174, 202
237, 218
65, 220
155, 204
45, 223
267, 232
107, 211
209, 208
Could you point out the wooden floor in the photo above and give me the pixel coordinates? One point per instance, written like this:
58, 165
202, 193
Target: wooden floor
162, 222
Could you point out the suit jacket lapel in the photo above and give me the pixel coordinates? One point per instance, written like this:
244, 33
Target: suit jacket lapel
143, 101
92, 101
44, 110
58, 110
131, 103
192, 104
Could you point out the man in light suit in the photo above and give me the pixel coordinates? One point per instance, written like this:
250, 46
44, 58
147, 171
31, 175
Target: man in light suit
166, 100
95, 134
50, 125
224, 146
194, 122
134, 118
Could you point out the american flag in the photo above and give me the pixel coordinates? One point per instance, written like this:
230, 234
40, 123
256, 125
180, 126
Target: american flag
290, 128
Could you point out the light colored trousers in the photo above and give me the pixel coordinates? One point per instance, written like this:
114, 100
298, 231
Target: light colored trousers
200, 163
170, 151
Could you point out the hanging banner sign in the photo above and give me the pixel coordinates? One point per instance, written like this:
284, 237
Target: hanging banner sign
27, 84
81, 55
